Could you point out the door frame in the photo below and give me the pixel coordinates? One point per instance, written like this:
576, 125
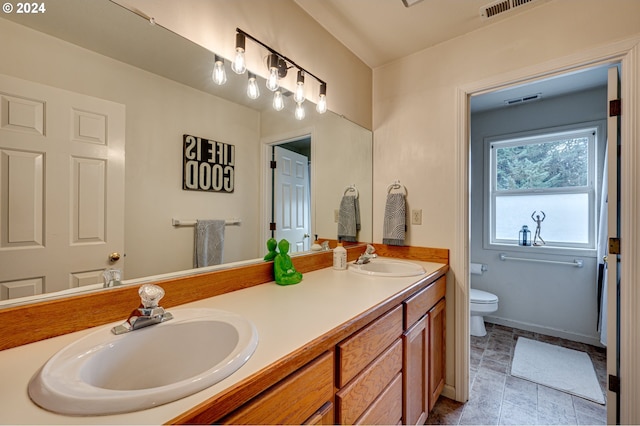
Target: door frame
627, 53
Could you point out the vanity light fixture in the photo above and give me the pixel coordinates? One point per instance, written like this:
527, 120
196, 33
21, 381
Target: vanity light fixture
253, 91
239, 65
219, 75
298, 95
321, 106
278, 66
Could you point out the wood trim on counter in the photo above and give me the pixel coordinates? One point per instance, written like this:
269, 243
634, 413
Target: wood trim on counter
20, 325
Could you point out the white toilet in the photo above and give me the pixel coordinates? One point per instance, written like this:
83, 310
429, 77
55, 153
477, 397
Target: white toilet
482, 303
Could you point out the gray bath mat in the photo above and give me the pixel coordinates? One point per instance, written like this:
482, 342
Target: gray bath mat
560, 368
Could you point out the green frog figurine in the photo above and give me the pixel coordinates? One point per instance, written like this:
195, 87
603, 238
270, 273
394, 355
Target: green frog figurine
283, 269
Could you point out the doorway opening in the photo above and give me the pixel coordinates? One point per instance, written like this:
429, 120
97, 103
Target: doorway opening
546, 96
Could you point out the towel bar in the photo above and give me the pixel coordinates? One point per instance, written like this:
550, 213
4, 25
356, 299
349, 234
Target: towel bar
576, 262
228, 222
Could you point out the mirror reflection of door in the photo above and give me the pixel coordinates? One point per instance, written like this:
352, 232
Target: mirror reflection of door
62, 188
291, 194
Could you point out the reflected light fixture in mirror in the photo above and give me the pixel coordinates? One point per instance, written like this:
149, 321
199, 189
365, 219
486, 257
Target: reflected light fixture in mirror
219, 74
278, 66
253, 90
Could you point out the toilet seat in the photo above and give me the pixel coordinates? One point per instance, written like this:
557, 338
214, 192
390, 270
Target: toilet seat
482, 297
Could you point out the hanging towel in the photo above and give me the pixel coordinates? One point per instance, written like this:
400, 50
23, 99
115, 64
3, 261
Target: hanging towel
209, 242
393, 232
349, 218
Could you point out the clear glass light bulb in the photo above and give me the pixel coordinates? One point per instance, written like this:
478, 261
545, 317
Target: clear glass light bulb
299, 113
321, 107
298, 94
272, 81
219, 74
253, 91
278, 101
239, 65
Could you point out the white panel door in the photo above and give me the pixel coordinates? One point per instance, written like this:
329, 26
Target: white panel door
61, 187
292, 213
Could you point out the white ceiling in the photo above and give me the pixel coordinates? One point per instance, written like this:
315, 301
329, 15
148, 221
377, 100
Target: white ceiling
382, 31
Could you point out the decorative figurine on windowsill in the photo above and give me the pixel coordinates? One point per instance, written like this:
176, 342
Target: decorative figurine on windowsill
283, 269
272, 245
538, 222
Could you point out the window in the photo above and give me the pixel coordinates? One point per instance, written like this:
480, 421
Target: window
552, 172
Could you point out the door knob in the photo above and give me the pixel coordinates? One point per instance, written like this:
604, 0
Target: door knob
114, 257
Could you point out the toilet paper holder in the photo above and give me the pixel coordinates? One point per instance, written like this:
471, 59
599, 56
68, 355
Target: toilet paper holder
478, 268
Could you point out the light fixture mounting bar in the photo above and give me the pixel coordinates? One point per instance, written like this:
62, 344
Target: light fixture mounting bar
249, 36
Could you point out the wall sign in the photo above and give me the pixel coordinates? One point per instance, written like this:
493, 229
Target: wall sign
208, 165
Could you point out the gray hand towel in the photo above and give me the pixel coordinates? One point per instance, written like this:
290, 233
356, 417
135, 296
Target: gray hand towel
395, 213
208, 243
349, 218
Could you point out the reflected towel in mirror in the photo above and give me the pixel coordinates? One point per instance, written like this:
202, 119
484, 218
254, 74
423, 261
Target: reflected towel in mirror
208, 243
349, 218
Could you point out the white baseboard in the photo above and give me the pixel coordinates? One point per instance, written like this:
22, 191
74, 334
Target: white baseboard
549, 331
450, 392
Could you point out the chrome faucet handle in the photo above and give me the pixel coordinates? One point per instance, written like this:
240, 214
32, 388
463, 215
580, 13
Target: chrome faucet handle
149, 313
150, 295
370, 249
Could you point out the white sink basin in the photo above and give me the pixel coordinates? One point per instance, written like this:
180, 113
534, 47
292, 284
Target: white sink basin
102, 373
388, 268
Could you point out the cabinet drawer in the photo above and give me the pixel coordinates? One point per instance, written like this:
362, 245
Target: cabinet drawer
387, 409
420, 303
356, 352
293, 400
359, 394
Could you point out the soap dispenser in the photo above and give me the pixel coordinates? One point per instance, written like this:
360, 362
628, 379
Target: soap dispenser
316, 245
339, 257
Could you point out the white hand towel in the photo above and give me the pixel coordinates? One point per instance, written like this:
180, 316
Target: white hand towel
395, 212
208, 243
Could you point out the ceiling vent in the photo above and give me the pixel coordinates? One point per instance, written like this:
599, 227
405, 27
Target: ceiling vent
523, 99
502, 6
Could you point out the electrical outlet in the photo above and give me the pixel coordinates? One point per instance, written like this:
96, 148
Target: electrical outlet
416, 217
335, 216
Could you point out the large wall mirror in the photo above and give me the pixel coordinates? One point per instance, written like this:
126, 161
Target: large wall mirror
160, 85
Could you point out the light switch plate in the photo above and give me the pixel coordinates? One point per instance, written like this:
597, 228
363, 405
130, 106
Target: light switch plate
416, 217
335, 216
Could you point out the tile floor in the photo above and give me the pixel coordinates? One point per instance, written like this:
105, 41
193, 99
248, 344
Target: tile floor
497, 398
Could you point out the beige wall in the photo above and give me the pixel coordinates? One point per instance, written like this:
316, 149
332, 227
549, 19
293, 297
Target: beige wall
285, 27
416, 127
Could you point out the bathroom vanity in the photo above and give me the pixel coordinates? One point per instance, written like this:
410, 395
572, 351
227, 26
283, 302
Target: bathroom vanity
339, 347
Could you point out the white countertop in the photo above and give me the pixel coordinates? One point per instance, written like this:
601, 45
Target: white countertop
287, 318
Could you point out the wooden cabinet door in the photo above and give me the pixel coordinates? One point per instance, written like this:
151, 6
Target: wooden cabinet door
416, 368
437, 352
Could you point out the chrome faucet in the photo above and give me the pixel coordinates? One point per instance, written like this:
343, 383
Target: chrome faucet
149, 313
368, 254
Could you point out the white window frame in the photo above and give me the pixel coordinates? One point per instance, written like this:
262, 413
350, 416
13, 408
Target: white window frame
596, 131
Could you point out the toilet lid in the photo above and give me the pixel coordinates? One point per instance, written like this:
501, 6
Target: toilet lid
479, 296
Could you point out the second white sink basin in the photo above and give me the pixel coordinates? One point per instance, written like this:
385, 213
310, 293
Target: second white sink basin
107, 374
388, 268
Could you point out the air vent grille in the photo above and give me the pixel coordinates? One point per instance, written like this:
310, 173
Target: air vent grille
502, 6
523, 99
